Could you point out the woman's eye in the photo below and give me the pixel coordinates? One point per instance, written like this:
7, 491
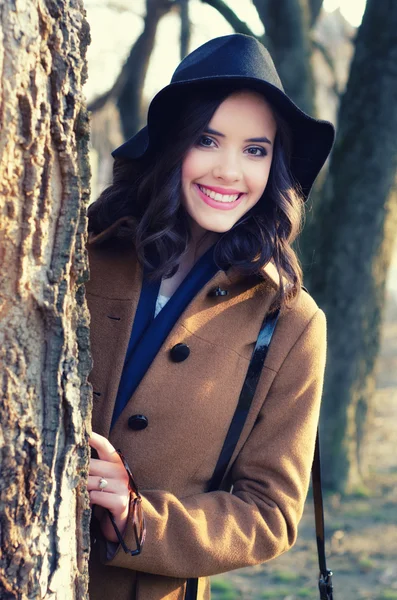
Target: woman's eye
257, 151
205, 141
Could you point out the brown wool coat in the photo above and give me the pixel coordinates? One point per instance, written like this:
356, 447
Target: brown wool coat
189, 406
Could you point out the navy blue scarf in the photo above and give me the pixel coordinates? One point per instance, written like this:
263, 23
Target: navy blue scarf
149, 332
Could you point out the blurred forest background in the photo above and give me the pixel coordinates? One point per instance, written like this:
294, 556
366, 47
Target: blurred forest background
338, 61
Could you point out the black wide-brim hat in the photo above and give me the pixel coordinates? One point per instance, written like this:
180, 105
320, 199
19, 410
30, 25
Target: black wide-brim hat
239, 62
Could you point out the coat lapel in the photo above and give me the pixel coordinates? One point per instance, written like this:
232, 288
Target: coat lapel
112, 296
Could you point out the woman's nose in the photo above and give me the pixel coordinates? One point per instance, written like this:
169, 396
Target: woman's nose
228, 168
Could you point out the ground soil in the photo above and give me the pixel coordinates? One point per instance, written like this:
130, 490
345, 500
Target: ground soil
361, 531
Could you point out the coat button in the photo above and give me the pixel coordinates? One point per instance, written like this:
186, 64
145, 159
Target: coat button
218, 292
138, 422
179, 352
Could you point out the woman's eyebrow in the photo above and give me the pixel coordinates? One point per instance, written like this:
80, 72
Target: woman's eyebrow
259, 139
213, 132
264, 139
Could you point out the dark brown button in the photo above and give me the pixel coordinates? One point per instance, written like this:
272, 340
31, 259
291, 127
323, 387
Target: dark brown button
138, 422
179, 352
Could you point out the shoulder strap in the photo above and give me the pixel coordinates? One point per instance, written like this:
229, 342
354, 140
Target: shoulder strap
247, 393
325, 579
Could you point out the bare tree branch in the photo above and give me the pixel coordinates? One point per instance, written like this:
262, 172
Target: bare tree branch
230, 16
117, 7
330, 62
127, 89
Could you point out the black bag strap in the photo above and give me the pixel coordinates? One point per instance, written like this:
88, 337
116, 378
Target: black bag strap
325, 579
247, 393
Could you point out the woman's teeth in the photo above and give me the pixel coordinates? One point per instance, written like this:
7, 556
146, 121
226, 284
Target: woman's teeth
218, 197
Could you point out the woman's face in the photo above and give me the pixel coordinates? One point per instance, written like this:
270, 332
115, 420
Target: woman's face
226, 172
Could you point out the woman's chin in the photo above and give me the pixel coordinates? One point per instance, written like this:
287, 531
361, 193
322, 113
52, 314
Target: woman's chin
214, 228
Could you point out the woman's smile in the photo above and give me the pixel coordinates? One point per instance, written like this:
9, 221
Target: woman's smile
221, 201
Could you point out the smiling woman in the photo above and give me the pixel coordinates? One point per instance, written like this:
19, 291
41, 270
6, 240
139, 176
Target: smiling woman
204, 205
222, 128
225, 169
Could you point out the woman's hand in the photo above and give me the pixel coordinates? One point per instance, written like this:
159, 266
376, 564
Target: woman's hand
116, 495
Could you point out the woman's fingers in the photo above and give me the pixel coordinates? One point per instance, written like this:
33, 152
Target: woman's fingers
107, 469
118, 505
104, 448
116, 495
113, 486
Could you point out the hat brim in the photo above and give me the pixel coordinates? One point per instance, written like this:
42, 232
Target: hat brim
312, 139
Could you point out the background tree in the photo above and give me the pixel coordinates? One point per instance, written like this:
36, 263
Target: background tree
46, 404
348, 244
127, 89
118, 113
185, 27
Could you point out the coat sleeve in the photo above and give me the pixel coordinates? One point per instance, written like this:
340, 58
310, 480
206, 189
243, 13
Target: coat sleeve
214, 532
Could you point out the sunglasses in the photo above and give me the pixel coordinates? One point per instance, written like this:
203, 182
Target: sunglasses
135, 513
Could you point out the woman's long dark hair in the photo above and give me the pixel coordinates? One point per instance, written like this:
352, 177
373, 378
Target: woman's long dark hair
147, 193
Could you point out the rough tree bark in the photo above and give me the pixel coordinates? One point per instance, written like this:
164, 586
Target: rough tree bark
44, 348
349, 242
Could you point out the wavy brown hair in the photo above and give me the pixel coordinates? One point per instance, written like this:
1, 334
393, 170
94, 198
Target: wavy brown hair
147, 193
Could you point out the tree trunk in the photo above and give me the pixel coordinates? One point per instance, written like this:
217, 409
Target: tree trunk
287, 35
315, 7
129, 98
185, 28
349, 242
44, 343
